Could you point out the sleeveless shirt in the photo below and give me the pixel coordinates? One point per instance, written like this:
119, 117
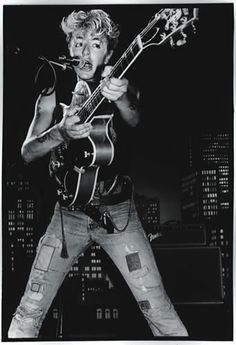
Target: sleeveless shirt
120, 132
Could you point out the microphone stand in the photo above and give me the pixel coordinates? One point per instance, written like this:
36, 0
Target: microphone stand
66, 62
64, 66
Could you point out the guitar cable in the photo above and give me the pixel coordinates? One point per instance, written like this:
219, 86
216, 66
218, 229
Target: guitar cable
105, 213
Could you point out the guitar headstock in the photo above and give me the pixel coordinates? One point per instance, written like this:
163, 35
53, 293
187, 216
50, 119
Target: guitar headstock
169, 25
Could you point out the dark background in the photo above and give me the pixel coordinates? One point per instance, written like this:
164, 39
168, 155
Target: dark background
184, 90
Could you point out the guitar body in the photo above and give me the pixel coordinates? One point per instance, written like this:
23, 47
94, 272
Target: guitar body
75, 166
78, 186
97, 149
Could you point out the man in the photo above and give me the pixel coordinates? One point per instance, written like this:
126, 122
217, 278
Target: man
92, 38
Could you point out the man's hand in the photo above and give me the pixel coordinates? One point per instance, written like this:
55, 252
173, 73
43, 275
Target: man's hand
123, 95
69, 127
113, 89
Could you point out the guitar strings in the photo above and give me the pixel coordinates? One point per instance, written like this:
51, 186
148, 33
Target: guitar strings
97, 92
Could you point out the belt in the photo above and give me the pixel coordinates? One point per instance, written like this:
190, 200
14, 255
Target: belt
102, 217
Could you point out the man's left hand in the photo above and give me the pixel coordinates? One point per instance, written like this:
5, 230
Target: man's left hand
113, 89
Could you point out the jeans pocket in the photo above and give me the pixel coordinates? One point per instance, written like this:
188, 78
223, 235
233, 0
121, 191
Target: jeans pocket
123, 215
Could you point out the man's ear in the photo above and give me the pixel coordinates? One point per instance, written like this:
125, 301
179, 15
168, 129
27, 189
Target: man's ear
107, 58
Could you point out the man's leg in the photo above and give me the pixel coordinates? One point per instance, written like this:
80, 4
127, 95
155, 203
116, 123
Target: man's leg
131, 252
47, 274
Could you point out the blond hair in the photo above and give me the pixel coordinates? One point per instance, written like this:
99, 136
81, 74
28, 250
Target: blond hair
96, 20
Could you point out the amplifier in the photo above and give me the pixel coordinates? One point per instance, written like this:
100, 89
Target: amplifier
191, 274
185, 236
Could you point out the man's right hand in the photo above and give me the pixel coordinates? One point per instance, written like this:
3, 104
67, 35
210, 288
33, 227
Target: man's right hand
69, 127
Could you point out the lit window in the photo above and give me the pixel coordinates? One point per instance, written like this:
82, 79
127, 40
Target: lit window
115, 314
99, 314
107, 314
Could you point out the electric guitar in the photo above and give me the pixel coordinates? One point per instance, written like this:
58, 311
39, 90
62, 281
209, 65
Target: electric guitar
75, 165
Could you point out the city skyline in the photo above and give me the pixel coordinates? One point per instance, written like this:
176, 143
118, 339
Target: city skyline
90, 268
190, 89
185, 92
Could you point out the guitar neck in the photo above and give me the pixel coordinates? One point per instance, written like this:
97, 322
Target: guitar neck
118, 70
172, 22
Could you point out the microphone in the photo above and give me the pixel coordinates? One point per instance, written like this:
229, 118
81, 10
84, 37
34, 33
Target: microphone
72, 61
65, 62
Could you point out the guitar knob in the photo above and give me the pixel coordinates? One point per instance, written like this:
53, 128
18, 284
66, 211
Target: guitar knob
57, 164
87, 154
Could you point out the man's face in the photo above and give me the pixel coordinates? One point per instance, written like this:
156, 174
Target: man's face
93, 50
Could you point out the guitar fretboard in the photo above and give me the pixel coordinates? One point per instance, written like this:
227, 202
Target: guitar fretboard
117, 71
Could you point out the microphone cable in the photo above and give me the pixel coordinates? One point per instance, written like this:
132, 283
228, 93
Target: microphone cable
46, 92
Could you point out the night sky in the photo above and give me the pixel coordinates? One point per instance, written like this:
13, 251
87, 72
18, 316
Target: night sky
184, 90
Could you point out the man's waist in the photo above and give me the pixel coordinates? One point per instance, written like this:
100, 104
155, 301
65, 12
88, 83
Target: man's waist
110, 191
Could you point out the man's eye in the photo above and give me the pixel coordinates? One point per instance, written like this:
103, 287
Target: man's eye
78, 44
97, 45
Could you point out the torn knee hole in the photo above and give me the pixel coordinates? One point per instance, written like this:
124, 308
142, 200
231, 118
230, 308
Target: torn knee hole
29, 310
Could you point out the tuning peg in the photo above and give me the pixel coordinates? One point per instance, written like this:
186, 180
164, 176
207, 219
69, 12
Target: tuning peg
182, 40
194, 28
185, 11
163, 36
184, 20
167, 25
172, 43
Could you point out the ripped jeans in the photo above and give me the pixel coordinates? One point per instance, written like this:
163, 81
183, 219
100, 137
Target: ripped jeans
130, 250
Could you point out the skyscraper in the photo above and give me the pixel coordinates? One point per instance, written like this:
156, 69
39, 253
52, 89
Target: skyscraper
149, 212
20, 219
207, 178
206, 192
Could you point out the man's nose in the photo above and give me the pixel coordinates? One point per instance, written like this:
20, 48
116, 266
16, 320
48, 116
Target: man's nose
86, 50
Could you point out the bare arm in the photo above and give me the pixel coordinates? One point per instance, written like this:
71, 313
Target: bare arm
123, 95
41, 138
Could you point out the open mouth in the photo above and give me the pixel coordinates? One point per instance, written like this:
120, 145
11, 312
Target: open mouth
85, 65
